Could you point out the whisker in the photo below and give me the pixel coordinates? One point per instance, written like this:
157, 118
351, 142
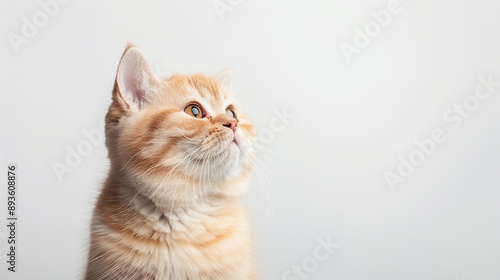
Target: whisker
264, 187
267, 149
272, 176
175, 188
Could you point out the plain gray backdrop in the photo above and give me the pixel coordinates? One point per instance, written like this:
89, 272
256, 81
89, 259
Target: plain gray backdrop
351, 117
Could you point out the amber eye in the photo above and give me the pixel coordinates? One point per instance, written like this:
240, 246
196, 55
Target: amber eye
231, 113
194, 110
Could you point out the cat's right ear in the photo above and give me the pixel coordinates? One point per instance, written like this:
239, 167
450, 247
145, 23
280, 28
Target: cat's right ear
136, 85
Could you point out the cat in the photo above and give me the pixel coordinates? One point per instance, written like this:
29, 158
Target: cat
181, 153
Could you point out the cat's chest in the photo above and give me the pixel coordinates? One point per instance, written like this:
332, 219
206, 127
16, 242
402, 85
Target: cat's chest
215, 253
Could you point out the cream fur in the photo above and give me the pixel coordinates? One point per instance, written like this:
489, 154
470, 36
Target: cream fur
170, 207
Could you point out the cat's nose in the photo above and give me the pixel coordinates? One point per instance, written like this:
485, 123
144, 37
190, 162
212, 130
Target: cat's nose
232, 124
226, 120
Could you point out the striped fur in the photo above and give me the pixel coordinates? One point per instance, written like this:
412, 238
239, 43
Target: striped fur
170, 207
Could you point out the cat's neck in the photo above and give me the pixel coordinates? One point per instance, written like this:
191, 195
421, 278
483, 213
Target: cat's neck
171, 207
165, 218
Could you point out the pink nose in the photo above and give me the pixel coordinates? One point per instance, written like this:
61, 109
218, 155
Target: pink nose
232, 124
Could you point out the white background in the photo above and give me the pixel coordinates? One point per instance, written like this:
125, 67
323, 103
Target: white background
322, 174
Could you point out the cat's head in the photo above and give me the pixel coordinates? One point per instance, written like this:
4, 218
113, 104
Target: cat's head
177, 135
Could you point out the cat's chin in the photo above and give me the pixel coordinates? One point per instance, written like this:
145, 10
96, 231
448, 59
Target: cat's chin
228, 162
232, 153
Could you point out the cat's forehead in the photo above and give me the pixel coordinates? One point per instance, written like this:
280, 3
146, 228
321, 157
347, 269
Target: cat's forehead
202, 89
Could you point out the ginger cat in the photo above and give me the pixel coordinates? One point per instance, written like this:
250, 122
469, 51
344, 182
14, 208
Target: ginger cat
181, 152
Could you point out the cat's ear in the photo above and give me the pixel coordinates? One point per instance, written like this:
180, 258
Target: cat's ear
137, 85
225, 78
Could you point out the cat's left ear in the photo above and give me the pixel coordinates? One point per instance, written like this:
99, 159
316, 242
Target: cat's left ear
225, 78
136, 81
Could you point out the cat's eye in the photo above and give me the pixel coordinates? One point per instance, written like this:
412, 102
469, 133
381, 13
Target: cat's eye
231, 112
194, 110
